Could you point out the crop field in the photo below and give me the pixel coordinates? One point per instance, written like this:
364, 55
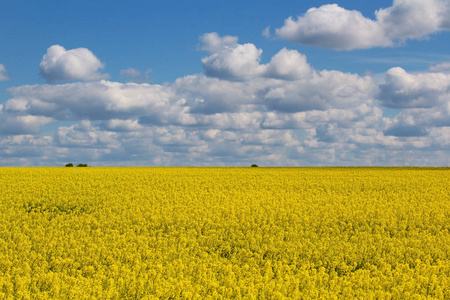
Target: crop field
224, 233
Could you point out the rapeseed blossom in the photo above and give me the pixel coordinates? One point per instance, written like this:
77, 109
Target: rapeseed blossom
222, 233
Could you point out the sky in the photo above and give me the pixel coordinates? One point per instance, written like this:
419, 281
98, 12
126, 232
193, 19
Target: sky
225, 83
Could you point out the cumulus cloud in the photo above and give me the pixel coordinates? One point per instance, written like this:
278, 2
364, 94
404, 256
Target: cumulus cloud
212, 42
442, 67
17, 124
26, 150
323, 90
235, 77
404, 90
296, 89
3, 73
85, 135
412, 19
424, 100
239, 62
363, 115
289, 65
235, 62
331, 26
97, 100
59, 64
206, 95
418, 121
284, 112
203, 116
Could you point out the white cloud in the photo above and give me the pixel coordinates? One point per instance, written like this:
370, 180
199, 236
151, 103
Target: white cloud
135, 75
418, 121
121, 125
59, 64
404, 90
208, 95
442, 67
287, 83
289, 65
3, 73
85, 135
130, 72
441, 137
98, 100
363, 115
424, 100
26, 150
331, 26
444, 16
21, 124
412, 19
266, 32
281, 113
322, 91
16, 105
212, 42
236, 62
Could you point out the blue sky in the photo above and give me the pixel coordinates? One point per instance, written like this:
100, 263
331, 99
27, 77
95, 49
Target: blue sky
288, 83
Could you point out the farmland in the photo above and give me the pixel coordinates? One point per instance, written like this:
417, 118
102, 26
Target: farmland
219, 233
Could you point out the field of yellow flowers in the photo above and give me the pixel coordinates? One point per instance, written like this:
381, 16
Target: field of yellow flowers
220, 233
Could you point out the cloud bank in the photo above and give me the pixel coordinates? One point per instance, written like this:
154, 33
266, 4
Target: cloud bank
331, 26
238, 112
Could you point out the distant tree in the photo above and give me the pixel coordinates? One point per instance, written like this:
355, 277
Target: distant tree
69, 165
254, 166
82, 165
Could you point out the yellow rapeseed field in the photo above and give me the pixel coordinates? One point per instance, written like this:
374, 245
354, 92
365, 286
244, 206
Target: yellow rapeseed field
224, 233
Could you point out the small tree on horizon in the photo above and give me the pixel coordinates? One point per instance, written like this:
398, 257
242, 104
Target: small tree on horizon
254, 166
69, 165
